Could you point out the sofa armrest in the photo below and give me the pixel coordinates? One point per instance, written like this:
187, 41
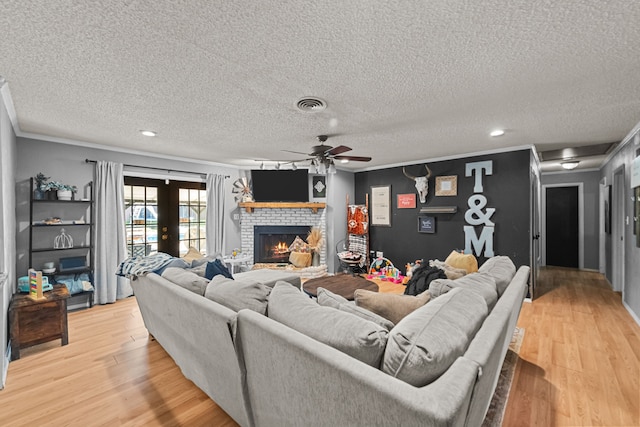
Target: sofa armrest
292, 380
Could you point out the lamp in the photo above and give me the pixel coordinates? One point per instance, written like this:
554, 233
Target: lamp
570, 165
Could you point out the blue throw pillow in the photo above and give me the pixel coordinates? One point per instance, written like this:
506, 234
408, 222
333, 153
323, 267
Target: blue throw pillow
217, 267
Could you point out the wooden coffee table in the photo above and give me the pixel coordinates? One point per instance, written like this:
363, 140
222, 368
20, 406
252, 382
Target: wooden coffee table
340, 284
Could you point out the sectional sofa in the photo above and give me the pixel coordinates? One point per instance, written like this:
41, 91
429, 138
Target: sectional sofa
270, 356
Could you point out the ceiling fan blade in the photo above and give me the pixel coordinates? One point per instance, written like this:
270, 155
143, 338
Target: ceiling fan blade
354, 158
338, 150
297, 152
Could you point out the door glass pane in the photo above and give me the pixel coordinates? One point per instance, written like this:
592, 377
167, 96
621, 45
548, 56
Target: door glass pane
141, 219
192, 206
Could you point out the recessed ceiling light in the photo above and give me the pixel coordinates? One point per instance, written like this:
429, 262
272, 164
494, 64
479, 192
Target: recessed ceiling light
497, 132
344, 161
148, 133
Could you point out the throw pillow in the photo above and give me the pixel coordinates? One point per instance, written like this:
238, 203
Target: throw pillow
215, 268
186, 279
238, 294
359, 338
329, 299
502, 269
192, 254
427, 342
176, 262
480, 283
390, 306
465, 261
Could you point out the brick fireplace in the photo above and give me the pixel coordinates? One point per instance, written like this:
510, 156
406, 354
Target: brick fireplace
280, 216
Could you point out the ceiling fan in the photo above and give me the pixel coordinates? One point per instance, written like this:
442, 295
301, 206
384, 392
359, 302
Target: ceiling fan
322, 156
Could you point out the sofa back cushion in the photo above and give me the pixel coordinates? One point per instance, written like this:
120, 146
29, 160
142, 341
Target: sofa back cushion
426, 342
502, 269
238, 294
357, 337
329, 299
480, 283
186, 279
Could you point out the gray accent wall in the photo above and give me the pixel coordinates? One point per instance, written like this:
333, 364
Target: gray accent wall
66, 163
591, 193
623, 158
7, 228
339, 186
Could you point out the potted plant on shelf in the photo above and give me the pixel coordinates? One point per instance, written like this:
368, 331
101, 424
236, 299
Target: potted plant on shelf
63, 191
39, 193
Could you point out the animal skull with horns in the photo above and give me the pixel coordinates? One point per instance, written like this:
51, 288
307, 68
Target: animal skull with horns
422, 183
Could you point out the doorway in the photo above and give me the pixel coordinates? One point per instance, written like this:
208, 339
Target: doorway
163, 216
563, 225
617, 230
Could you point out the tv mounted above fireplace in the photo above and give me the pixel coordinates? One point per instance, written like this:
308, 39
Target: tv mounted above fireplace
280, 185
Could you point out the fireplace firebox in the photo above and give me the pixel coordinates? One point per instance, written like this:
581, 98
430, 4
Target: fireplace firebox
271, 242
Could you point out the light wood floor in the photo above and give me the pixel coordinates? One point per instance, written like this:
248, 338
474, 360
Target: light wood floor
580, 365
580, 358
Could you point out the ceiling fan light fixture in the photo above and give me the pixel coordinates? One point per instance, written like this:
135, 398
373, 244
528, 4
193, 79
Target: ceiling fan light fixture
570, 165
322, 168
332, 168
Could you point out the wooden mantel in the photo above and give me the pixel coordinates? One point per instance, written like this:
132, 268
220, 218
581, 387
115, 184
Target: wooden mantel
250, 206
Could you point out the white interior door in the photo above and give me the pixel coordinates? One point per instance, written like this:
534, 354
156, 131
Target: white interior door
617, 230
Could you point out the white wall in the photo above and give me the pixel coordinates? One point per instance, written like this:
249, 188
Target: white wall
7, 224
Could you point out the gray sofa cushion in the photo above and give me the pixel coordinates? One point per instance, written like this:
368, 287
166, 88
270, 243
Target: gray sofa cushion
426, 342
502, 269
238, 294
269, 277
390, 306
357, 337
186, 279
329, 299
480, 283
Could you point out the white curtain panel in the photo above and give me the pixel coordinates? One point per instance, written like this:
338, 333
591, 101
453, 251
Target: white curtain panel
111, 248
215, 214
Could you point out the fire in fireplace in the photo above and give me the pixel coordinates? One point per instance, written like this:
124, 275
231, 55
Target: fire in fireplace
271, 243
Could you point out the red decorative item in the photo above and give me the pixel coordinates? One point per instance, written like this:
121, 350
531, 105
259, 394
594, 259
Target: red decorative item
406, 201
357, 220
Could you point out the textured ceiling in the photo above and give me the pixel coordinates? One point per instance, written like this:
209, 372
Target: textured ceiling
403, 80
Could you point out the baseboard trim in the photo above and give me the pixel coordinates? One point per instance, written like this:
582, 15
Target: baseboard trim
631, 313
7, 359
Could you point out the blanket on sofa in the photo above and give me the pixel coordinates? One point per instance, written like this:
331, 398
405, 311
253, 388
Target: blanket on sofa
141, 265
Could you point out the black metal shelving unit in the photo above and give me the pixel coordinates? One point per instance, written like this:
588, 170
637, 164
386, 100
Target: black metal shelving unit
86, 247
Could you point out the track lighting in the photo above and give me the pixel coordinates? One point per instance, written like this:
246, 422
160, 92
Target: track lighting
278, 166
294, 166
262, 166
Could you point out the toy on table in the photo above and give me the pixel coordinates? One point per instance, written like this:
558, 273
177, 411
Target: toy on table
383, 269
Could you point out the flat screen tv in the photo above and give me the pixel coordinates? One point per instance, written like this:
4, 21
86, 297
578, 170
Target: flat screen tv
280, 185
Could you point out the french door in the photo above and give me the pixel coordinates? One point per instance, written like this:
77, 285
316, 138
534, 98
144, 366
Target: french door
163, 216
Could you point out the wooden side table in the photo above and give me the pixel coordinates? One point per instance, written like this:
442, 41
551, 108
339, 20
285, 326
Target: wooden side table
35, 322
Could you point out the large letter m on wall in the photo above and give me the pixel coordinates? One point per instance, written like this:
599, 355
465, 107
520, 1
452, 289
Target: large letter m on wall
484, 241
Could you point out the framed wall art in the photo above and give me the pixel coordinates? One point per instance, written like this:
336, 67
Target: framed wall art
381, 205
447, 185
406, 201
427, 224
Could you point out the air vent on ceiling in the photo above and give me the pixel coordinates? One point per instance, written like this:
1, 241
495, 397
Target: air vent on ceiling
311, 105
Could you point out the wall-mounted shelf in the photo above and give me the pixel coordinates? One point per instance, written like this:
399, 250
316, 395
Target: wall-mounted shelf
250, 206
439, 209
